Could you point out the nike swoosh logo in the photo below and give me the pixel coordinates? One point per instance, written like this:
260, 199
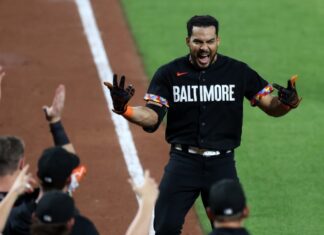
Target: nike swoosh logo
179, 74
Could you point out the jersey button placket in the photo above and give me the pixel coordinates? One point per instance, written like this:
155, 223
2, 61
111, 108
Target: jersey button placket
202, 109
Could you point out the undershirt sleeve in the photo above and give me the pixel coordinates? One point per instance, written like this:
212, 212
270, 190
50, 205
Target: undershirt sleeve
161, 111
158, 96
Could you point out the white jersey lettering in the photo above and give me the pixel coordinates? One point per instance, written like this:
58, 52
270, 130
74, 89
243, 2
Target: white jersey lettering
189, 94
231, 92
183, 94
176, 94
206, 93
218, 93
194, 88
225, 95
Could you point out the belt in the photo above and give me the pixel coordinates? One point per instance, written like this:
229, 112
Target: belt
199, 151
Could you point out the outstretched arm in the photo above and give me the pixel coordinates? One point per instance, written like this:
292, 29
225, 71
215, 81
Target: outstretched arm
53, 115
286, 100
148, 194
140, 115
2, 74
272, 106
22, 184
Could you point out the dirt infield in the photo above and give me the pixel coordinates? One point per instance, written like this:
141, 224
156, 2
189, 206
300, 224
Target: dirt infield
42, 44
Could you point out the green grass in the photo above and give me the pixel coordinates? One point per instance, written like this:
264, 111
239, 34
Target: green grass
280, 161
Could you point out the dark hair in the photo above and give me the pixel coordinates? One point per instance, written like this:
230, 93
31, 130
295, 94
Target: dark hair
39, 228
202, 21
11, 151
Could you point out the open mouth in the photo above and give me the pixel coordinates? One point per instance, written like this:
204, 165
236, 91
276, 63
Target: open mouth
203, 58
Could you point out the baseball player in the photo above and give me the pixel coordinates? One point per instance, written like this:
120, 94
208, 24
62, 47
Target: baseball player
21, 185
55, 214
12, 160
202, 94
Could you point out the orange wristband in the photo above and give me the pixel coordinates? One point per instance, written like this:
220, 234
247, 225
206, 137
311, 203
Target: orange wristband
129, 112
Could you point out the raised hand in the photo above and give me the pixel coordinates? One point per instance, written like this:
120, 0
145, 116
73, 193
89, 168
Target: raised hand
289, 96
120, 96
148, 191
23, 182
2, 74
54, 112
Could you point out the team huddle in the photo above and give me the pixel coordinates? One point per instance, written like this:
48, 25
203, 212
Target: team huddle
202, 95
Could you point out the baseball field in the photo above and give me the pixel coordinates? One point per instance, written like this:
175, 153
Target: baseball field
44, 43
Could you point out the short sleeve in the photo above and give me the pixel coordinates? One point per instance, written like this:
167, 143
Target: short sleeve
256, 86
159, 89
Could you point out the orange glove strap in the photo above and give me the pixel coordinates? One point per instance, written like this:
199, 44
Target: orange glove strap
129, 112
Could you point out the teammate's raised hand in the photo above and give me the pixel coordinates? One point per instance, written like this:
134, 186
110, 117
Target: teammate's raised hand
54, 112
2, 74
23, 182
148, 191
120, 96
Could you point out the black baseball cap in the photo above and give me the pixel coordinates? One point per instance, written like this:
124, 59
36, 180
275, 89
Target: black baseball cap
56, 165
227, 198
55, 207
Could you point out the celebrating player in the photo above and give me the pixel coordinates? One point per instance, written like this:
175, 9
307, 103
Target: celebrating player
202, 94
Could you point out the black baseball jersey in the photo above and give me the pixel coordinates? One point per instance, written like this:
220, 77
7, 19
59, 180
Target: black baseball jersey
205, 107
24, 198
229, 231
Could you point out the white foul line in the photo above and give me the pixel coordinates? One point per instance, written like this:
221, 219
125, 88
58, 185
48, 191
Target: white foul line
100, 58
105, 74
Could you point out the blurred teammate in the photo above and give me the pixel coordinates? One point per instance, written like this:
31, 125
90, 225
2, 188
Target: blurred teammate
54, 215
227, 208
23, 183
55, 172
12, 162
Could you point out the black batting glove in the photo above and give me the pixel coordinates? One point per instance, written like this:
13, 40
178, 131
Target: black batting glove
288, 96
119, 95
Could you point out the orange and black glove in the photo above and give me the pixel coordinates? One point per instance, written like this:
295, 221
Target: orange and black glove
120, 96
288, 96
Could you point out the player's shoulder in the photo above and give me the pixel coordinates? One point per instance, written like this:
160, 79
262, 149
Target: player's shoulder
223, 59
175, 64
83, 225
24, 198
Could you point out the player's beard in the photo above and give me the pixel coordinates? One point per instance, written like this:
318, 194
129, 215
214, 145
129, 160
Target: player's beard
202, 59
